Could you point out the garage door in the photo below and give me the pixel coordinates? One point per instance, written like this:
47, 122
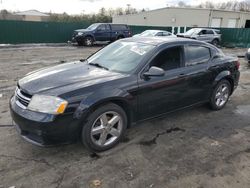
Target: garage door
232, 23
216, 22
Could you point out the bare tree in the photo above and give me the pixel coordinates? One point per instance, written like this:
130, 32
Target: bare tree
181, 4
230, 5
4, 13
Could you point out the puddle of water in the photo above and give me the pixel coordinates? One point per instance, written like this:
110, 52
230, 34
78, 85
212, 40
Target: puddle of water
243, 109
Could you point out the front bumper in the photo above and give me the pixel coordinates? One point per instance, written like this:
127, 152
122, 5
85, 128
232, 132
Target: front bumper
248, 56
44, 129
77, 38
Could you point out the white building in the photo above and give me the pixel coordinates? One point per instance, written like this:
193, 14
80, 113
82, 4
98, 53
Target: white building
190, 17
33, 15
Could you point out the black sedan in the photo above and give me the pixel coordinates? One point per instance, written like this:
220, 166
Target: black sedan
127, 81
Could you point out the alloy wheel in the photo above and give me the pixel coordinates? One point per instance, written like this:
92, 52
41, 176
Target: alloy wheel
222, 95
88, 42
106, 129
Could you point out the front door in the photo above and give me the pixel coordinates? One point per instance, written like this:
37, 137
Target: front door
102, 33
157, 95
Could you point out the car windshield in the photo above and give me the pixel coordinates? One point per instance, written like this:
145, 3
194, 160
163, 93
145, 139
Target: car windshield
120, 56
193, 31
148, 33
93, 26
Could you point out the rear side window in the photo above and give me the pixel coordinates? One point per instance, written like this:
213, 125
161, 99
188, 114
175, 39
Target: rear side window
196, 55
169, 58
159, 34
119, 27
166, 34
210, 32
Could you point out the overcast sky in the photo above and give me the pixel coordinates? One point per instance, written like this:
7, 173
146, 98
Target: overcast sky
88, 6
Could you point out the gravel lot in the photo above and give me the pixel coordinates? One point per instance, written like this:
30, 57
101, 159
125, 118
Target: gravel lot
193, 148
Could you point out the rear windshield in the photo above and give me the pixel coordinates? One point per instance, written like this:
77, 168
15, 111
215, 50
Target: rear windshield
217, 31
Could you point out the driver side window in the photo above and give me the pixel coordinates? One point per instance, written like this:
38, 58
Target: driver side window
168, 59
102, 28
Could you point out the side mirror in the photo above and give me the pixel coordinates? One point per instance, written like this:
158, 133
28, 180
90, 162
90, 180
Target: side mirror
215, 57
154, 71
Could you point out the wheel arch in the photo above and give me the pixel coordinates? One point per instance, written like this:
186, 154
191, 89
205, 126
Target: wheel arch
89, 35
120, 101
225, 75
120, 36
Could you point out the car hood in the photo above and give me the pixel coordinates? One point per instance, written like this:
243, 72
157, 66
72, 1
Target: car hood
83, 30
183, 35
68, 76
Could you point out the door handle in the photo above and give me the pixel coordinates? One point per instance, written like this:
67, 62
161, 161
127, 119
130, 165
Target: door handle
215, 67
181, 75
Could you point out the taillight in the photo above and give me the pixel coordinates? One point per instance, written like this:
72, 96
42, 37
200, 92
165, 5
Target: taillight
237, 64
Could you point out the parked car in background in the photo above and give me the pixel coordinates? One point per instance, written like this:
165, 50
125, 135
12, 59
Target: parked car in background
155, 33
101, 32
248, 55
130, 80
212, 36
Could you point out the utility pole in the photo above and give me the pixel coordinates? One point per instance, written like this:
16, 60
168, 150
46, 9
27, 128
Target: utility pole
128, 11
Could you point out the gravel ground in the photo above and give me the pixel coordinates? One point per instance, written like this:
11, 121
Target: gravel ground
192, 148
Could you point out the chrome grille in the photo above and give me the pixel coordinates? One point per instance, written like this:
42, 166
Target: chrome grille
75, 33
22, 99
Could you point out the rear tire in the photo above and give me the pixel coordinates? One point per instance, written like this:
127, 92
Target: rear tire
220, 95
104, 128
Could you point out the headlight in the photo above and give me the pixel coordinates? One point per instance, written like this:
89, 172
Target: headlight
80, 33
47, 104
248, 50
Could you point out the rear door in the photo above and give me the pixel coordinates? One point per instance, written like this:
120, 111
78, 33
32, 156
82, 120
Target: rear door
198, 77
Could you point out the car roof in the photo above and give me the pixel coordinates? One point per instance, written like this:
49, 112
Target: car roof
109, 23
206, 28
161, 40
154, 30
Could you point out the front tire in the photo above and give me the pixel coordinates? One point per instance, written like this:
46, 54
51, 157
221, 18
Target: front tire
88, 41
220, 95
215, 42
104, 128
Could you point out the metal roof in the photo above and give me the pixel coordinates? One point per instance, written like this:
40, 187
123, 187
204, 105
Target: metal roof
31, 13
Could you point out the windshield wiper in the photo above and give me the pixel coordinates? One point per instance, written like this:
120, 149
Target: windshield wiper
98, 65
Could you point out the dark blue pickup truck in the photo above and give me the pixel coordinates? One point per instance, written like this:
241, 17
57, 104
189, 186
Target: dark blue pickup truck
101, 32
